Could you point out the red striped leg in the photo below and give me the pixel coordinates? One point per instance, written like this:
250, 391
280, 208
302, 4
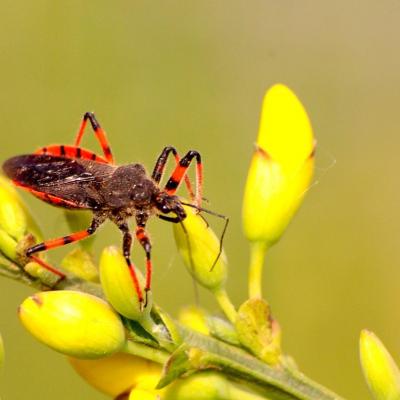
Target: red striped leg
48, 267
74, 237
180, 171
126, 248
144, 240
100, 135
71, 152
160, 168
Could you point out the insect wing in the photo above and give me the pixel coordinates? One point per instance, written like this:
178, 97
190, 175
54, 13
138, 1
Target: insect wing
59, 180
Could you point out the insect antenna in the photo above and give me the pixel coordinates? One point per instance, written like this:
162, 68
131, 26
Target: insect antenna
215, 214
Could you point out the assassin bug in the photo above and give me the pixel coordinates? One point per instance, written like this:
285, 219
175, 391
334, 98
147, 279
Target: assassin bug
75, 178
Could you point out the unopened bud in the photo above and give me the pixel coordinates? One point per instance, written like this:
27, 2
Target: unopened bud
12, 216
194, 318
200, 386
80, 263
200, 250
118, 285
73, 323
281, 169
15, 218
8, 245
118, 373
380, 371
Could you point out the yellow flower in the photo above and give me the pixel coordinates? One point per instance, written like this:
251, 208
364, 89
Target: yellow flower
279, 176
281, 168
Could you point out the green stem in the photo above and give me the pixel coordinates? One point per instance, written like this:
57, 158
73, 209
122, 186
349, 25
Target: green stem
226, 305
257, 257
277, 383
149, 353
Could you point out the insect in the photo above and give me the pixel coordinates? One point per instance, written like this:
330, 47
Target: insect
75, 178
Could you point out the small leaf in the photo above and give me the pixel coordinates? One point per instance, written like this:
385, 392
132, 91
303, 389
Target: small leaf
258, 332
177, 365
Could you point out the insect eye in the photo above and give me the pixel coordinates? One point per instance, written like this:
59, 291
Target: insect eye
164, 209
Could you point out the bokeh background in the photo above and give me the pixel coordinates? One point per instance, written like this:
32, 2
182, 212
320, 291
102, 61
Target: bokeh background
192, 74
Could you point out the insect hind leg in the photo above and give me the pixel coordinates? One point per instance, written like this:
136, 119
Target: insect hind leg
71, 152
100, 135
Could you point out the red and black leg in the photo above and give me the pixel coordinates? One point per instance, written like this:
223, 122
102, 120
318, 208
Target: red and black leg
180, 172
53, 243
160, 168
126, 248
144, 240
71, 152
100, 135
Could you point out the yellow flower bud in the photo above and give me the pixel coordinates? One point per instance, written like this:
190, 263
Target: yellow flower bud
8, 246
12, 216
118, 373
194, 318
200, 386
15, 218
281, 169
380, 371
73, 323
80, 263
118, 285
199, 248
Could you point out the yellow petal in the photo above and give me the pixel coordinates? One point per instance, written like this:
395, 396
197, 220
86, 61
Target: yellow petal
285, 130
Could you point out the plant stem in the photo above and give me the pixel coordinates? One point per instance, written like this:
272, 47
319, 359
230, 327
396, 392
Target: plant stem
278, 383
147, 352
226, 305
257, 257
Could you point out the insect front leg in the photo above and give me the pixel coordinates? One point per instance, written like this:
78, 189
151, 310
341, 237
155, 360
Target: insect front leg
100, 135
126, 248
144, 240
159, 168
180, 172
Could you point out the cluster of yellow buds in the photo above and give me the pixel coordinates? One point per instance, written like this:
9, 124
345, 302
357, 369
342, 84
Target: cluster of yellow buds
124, 349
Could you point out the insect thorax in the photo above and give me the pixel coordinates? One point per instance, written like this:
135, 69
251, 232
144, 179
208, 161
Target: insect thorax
130, 186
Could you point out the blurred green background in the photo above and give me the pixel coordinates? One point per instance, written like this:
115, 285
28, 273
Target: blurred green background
192, 74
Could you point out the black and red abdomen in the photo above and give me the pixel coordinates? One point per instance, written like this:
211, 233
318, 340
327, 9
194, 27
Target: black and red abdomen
58, 180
